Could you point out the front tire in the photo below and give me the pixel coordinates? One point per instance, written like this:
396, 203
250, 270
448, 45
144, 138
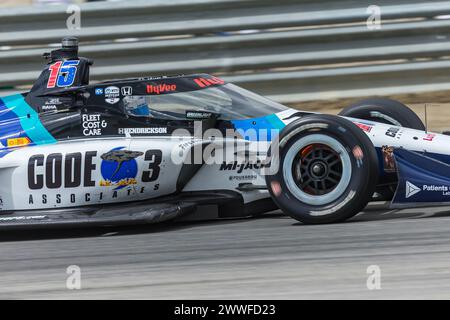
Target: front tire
327, 172
385, 111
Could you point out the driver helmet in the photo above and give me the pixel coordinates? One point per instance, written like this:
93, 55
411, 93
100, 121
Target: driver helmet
137, 106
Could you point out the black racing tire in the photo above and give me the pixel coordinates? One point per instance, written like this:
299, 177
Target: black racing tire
385, 111
344, 147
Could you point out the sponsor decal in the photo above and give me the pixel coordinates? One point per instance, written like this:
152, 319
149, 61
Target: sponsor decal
46, 107
86, 197
199, 115
47, 171
412, 189
51, 104
161, 88
186, 145
206, 82
17, 142
432, 187
239, 167
137, 131
358, 153
364, 127
276, 188
126, 91
388, 159
242, 178
112, 95
392, 132
55, 101
93, 125
429, 137
119, 168
99, 91
22, 218
62, 74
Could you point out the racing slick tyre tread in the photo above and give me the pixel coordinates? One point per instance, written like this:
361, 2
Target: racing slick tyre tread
385, 111
354, 146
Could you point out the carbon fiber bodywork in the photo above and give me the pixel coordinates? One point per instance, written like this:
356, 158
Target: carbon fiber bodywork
184, 206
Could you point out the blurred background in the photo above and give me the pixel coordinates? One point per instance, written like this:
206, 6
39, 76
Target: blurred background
315, 55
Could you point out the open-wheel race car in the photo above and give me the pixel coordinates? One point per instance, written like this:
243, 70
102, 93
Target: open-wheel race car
196, 147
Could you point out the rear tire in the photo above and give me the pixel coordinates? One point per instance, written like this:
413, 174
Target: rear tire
328, 170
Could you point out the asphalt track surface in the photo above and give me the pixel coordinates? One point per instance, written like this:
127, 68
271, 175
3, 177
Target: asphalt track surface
271, 257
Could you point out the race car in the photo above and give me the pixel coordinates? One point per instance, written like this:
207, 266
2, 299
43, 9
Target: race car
194, 147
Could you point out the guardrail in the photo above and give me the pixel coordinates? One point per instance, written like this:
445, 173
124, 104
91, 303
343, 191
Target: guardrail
290, 50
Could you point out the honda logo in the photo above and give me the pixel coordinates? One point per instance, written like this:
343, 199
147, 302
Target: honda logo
127, 91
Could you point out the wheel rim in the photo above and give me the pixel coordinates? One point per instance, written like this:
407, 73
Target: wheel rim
317, 169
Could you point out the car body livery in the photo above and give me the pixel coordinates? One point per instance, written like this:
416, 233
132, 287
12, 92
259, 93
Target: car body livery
133, 151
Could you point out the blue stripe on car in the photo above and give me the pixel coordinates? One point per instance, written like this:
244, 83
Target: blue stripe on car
28, 118
10, 126
259, 129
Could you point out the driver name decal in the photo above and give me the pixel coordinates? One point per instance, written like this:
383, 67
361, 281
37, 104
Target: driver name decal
142, 131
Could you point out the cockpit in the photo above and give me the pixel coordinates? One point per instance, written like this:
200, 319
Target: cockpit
228, 101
